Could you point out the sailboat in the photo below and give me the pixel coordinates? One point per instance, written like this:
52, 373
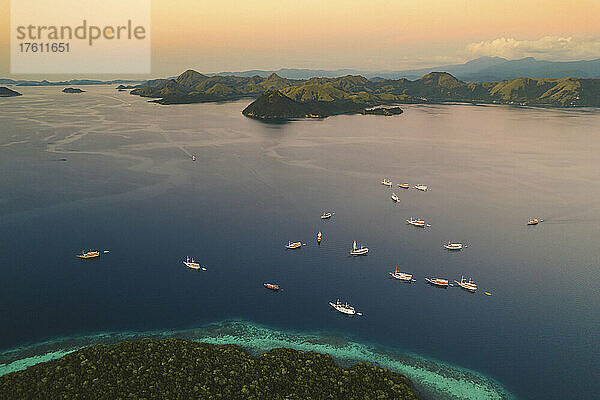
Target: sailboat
401, 276
356, 251
344, 308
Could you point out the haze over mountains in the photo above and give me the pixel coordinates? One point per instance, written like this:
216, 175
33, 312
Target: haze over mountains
481, 69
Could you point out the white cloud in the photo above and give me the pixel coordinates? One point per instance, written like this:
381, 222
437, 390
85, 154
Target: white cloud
546, 48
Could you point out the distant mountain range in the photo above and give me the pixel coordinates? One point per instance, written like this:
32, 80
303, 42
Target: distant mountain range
20, 82
479, 70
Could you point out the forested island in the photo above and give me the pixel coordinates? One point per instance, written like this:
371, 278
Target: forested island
73, 90
182, 369
277, 97
6, 92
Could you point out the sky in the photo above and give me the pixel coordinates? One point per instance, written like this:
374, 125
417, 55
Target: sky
375, 35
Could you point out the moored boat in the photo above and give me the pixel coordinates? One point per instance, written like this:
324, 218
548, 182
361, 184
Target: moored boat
403, 276
344, 308
437, 282
271, 286
422, 188
88, 254
190, 263
416, 222
404, 185
293, 245
534, 221
386, 182
453, 246
326, 215
395, 197
467, 285
358, 251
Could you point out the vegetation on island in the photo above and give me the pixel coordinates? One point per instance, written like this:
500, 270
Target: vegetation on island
278, 97
6, 92
72, 90
182, 369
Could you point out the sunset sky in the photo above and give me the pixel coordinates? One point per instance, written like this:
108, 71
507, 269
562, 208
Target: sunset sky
212, 36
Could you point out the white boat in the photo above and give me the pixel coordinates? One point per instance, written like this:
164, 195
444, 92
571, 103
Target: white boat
467, 285
326, 215
421, 187
88, 254
190, 263
293, 245
401, 276
193, 158
453, 246
319, 237
395, 197
344, 308
358, 251
438, 282
416, 222
386, 182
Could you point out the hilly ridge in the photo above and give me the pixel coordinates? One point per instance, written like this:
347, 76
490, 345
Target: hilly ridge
278, 97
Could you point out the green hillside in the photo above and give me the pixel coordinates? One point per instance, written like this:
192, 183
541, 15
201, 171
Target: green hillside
352, 93
181, 369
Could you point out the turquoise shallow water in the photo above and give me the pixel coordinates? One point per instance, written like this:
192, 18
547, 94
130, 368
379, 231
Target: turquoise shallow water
432, 378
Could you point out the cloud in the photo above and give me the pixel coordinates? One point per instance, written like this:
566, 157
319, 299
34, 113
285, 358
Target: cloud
547, 48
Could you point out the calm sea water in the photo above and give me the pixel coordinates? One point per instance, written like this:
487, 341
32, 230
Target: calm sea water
106, 170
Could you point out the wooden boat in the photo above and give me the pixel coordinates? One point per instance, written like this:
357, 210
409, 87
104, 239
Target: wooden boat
437, 282
293, 245
190, 263
416, 222
467, 285
326, 215
344, 308
402, 276
271, 286
356, 251
404, 185
453, 246
85, 255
